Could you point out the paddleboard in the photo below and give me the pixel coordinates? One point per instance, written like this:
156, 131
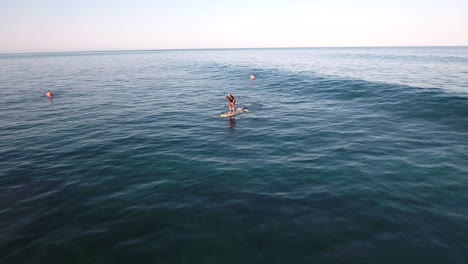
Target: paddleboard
228, 114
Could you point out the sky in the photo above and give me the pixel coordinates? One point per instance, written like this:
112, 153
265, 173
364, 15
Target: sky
92, 25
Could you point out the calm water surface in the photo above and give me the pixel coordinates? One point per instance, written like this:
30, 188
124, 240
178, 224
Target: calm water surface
348, 155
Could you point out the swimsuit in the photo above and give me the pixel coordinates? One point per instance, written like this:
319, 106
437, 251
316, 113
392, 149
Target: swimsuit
231, 101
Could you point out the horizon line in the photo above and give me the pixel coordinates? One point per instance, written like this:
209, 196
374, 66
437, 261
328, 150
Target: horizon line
189, 49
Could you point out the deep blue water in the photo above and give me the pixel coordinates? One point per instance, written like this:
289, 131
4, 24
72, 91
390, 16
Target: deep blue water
348, 155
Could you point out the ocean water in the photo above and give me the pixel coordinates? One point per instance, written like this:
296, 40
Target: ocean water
347, 155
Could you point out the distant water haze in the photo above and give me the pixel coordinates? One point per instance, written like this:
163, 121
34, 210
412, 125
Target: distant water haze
53, 25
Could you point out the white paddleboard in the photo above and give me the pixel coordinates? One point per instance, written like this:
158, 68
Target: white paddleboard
228, 114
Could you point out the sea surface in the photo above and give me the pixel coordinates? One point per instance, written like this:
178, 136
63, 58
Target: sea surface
346, 155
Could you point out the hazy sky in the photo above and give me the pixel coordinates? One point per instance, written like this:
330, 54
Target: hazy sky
54, 25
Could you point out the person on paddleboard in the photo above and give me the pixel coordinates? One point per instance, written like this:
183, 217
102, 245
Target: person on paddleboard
232, 102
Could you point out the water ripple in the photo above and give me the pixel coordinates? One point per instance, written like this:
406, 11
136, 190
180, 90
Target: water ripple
344, 154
